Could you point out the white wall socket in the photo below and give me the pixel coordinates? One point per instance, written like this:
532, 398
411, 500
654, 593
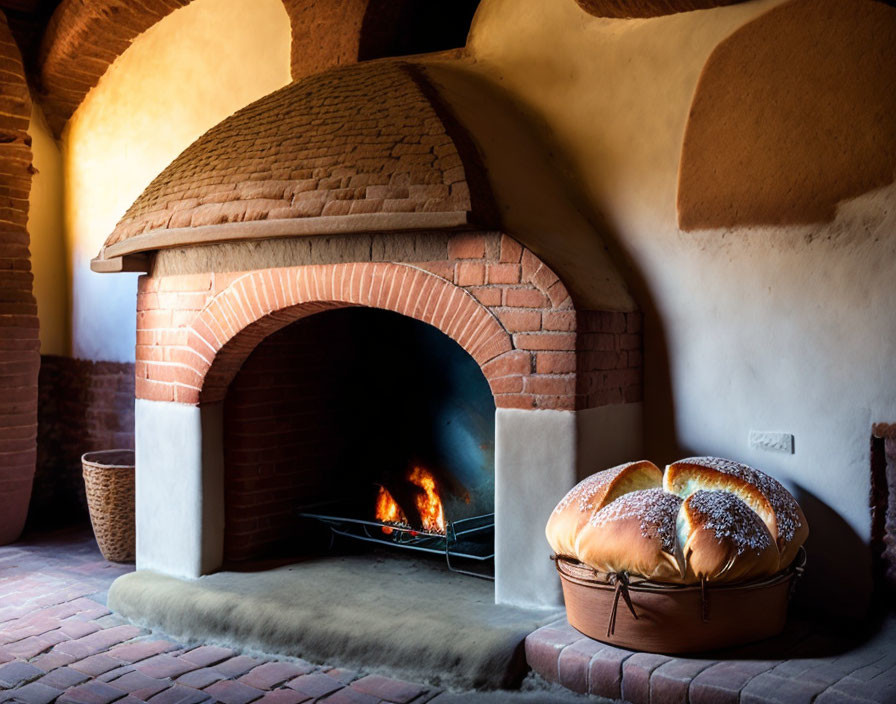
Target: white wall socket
772, 442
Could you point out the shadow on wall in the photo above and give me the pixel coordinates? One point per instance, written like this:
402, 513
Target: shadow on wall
829, 612
543, 205
837, 581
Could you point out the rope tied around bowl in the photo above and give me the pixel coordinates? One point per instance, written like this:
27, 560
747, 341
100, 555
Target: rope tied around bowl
620, 581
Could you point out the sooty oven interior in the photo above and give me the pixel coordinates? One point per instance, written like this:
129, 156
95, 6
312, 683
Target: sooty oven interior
357, 426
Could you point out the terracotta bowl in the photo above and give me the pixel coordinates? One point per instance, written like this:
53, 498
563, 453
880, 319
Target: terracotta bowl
665, 618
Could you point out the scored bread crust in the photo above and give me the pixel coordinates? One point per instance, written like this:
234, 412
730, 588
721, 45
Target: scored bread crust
636, 534
590, 495
766, 496
723, 540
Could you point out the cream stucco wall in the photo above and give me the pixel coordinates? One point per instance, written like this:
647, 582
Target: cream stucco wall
178, 79
785, 329
49, 262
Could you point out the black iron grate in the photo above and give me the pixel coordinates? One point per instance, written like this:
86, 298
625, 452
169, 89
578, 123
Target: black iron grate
465, 539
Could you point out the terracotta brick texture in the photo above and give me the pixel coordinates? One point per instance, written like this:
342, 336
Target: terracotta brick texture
19, 344
283, 430
363, 139
536, 351
83, 406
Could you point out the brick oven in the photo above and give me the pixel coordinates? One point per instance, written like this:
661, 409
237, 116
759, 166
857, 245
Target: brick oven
260, 246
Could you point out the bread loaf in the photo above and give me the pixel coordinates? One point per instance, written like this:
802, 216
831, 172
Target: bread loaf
763, 494
722, 540
635, 534
590, 495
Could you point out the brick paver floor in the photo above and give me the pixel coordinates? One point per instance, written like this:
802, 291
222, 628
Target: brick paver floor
59, 642
803, 666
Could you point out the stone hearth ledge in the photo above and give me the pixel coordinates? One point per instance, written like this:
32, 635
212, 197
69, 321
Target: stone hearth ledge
130, 254
383, 610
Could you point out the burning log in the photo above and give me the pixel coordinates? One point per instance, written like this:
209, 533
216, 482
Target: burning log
429, 503
419, 491
388, 511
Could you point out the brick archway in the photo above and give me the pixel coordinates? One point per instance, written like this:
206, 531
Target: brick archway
496, 299
258, 304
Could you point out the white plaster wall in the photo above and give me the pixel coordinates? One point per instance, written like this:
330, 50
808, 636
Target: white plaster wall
788, 329
535, 465
608, 436
178, 79
180, 488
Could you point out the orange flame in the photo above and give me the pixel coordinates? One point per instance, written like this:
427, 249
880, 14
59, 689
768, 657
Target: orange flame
388, 510
428, 503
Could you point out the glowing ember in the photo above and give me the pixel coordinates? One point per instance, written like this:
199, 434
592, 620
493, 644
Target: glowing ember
428, 502
388, 511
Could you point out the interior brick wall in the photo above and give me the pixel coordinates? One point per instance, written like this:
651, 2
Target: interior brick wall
82, 406
491, 295
283, 423
609, 358
19, 343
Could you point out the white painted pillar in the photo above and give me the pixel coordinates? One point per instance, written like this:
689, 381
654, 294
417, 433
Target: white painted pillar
535, 464
180, 488
539, 456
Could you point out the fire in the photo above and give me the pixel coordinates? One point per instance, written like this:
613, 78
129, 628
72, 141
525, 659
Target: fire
428, 503
388, 510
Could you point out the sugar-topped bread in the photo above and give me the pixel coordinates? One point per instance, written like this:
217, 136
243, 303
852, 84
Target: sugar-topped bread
764, 495
636, 534
593, 493
721, 539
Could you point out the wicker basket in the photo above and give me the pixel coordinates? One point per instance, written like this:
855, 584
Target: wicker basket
109, 482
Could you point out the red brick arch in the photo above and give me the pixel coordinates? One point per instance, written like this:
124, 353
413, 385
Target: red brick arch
257, 304
492, 296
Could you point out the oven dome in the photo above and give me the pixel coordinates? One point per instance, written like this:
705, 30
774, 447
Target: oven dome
362, 148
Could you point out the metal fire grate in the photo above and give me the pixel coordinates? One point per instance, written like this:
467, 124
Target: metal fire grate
465, 539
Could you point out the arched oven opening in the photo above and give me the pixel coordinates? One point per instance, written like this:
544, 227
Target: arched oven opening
360, 426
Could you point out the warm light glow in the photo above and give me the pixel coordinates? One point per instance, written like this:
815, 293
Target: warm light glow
428, 503
388, 510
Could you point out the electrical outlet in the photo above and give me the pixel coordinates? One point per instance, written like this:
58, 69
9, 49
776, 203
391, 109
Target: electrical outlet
772, 442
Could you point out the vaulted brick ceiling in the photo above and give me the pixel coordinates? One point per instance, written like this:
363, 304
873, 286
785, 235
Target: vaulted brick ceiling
84, 37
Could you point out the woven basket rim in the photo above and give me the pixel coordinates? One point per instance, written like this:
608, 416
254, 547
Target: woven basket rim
95, 459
